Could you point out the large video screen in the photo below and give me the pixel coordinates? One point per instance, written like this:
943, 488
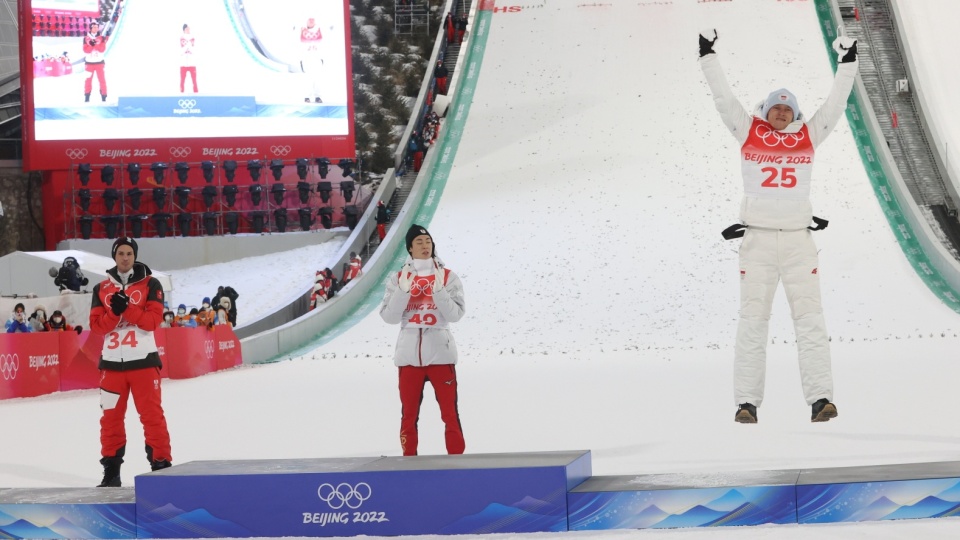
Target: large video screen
185, 80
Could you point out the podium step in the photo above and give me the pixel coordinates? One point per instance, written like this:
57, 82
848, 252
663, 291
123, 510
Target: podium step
68, 513
386, 496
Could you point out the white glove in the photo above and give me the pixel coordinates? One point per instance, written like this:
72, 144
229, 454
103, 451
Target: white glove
438, 276
407, 273
846, 48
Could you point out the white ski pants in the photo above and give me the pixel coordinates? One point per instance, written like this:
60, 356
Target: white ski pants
766, 258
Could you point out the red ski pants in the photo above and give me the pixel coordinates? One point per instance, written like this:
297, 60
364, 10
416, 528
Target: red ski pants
443, 377
95, 69
382, 230
192, 71
115, 388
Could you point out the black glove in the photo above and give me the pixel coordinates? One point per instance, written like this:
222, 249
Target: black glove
118, 303
92, 42
79, 330
706, 45
846, 50
84, 281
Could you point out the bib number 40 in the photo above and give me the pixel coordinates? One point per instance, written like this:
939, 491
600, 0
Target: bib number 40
129, 339
785, 177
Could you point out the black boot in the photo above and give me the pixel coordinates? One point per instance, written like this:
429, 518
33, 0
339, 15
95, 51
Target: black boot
111, 471
86, 98
746, 414
822, 410
161, 464
103, 97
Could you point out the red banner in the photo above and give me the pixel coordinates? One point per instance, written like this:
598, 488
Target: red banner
29, 365
42, 363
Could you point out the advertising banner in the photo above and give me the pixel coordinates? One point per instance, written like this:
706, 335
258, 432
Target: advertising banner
40, 363
29, 365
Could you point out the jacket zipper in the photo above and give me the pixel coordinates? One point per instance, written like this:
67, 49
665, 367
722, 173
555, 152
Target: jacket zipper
420, 347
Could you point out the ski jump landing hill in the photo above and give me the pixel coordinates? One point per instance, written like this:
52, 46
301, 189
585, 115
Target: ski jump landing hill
674, 198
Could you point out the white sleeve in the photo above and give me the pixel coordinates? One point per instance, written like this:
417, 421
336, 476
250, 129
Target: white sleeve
825, 119
734, 116
394, 301
450, 299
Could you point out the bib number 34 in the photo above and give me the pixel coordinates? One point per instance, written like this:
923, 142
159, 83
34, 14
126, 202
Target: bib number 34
129, 339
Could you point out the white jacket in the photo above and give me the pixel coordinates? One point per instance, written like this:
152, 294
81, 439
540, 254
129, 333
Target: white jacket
777, 212
424, 318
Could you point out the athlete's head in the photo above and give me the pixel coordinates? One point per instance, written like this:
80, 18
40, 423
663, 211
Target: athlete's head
310, 22
186, 28
780, 108
94, 28
124, 253
419, 243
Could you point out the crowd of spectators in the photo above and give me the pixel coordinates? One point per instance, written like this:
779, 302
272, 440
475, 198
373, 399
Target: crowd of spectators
57, 25
222, 309
326, 285
37, 321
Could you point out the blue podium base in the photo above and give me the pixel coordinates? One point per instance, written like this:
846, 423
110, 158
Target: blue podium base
387, 496
68, 513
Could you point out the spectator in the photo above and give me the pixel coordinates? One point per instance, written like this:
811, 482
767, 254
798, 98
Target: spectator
58, 323
167, 320
181, 317
18, 321
415, 149
319, 294
461, 25
230, 293
69, 277
223, 312
38, 319
383, 217
330, 283
450, 26
352, 269
206, 315
441, 73
127, 307
424, 298
191, 321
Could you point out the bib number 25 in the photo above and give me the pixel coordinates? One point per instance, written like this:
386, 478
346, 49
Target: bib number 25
129, 339
785, 177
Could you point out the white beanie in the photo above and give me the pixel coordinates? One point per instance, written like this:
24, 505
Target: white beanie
781, 97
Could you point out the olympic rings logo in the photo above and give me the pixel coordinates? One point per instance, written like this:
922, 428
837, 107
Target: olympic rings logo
76, 153
208, 348
187, 103
774, 138
344, 495
280, 150
421, 287
135, 297
180, 151
9, 365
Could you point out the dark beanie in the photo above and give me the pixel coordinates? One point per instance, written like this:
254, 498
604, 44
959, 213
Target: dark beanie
124, 241
415, 231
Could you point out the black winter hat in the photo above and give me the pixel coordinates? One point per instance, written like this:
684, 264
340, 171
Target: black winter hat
415, 231
124, 241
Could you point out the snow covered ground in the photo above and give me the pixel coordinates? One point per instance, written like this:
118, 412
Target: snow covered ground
583, 215
265, 282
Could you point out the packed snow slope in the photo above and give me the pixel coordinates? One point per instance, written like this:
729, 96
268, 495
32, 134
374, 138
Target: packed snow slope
583, 214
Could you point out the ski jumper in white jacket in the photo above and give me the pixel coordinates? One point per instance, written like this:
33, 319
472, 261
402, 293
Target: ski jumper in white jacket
425, 349
776, 168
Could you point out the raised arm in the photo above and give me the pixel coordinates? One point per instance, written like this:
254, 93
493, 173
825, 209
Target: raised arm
734, 116
825, 119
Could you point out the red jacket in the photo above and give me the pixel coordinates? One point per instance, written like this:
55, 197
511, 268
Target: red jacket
128, 338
